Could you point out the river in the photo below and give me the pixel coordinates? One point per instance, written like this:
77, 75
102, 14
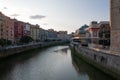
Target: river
54, 63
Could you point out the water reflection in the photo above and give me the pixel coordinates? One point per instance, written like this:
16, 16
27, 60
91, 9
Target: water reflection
63, 50
8, 64
55, 63
85, 69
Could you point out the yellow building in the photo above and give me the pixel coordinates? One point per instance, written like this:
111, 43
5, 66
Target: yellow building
9, 29
34, 29
6, 27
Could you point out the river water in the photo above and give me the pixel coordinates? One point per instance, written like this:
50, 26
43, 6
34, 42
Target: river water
54, 63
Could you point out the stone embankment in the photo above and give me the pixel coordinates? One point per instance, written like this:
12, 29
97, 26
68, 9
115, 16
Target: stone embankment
107, 62
11, 50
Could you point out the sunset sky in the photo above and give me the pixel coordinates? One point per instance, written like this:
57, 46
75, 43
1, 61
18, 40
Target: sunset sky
57, 14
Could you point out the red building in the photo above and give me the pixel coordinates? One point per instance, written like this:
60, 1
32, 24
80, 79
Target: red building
18, 30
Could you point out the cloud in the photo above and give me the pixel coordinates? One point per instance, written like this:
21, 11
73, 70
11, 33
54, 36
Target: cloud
37, 17
45, 24
15, 15
5, 8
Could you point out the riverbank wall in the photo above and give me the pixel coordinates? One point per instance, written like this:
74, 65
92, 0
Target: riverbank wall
108, 63
8, 51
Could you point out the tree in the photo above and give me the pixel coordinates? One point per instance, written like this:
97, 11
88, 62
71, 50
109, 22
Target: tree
26, 39
2, 42
9, 42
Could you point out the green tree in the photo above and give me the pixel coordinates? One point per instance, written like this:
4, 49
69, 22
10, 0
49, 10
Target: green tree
2, 42
26, 39
9, 42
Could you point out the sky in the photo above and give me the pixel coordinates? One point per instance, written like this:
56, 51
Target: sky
57, 14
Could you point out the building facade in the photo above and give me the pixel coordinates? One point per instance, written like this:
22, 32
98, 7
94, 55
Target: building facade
6, 28
115, 26
9, 29
27, 29
82, 34
62, 35
104, 33
18, 30
93, 32
34, 32
2, 25
42, 35
51, 34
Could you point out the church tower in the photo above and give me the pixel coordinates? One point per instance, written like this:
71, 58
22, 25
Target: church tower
115, 26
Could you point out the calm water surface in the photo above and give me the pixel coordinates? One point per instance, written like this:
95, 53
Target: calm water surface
55, 63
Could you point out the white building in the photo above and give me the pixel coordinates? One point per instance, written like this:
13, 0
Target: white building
27, 29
